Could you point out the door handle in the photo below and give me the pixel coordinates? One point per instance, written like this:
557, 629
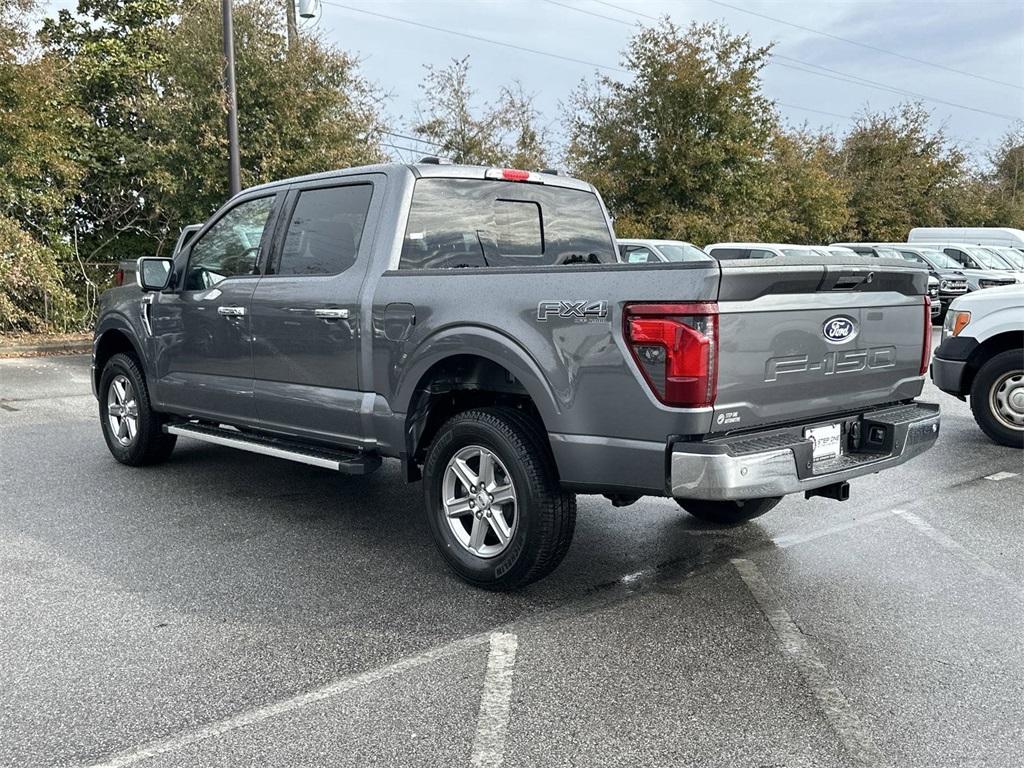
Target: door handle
231, 311
331, 314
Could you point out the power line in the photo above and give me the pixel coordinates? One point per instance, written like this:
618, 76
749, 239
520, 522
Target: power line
468, 36
411, 138
862, 45
834, 74
478, 38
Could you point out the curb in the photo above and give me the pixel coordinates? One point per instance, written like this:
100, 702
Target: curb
46, 348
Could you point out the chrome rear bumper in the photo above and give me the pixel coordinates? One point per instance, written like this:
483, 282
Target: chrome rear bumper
779, 462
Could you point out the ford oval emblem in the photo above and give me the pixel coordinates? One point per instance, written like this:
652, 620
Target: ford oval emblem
839, 329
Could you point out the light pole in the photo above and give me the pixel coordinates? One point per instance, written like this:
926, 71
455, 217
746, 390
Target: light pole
307, 10
234, 163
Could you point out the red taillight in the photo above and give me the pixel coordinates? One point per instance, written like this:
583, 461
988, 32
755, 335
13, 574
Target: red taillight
514, 174
926, 346
676, 348
119, 277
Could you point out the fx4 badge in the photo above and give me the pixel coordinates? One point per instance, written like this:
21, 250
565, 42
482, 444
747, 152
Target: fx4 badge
571, 310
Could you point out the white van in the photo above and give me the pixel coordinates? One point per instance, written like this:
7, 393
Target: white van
1013, 238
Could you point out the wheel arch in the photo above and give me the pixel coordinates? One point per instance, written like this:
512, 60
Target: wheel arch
989, 348
113, 339
463, 369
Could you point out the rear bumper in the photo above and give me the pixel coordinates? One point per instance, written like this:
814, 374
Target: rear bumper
779, 462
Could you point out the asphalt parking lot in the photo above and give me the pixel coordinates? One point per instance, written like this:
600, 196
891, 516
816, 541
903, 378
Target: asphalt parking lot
227, 609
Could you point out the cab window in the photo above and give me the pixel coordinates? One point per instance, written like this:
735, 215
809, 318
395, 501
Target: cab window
231, 247
324, 230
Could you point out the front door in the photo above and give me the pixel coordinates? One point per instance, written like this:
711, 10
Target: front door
202, 329
306, 313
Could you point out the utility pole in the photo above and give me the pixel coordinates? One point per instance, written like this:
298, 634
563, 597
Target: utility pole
293, 26
234, 163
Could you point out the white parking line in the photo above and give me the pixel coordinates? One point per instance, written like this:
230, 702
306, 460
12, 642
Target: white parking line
940, 538
844, 721
495, 703
276, 709
792, 539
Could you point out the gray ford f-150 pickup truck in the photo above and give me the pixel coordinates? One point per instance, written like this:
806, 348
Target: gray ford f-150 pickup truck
475, 324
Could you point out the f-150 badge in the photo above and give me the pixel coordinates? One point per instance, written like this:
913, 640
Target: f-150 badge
571, 310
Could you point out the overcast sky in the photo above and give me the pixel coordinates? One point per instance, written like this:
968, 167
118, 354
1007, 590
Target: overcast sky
981, 38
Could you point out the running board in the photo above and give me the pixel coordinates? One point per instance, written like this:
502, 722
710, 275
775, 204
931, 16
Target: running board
347, 462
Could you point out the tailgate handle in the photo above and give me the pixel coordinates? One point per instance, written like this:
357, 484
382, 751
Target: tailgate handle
849, 282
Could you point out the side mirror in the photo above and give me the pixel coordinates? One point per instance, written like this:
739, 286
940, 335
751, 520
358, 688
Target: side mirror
154, 274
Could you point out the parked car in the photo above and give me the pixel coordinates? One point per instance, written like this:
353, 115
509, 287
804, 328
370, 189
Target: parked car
1007, 236
632, 251
939, 262
762, 250
977, 257
840, 250
878, 250
982, 357
933, 293
474, 324
953, 283
1013, 257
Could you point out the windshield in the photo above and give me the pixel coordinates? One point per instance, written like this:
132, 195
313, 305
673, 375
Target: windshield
986, 258
939, 259
1011, 256
805, 251
842, 250
888, 253
682, 252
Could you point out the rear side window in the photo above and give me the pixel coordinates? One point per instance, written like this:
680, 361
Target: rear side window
637, 254
324, 230
730, 253
458, 223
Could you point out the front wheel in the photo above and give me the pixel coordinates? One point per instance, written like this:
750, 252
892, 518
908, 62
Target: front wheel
132, 429
728, 512
494, 503
997, 398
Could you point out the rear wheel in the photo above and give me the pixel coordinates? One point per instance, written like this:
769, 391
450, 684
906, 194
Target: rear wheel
997, 398
494, 504
728, 512
132, 429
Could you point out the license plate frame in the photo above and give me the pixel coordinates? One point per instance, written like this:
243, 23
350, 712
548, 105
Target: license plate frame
826, 441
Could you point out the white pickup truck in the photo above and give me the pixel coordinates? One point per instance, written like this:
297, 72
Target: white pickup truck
982, 356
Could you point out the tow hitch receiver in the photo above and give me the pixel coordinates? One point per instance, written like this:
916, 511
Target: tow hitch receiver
837, 491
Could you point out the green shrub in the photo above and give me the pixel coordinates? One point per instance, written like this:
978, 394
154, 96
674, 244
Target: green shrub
32, 294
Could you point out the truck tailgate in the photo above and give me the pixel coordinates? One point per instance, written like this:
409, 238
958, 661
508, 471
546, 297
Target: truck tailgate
802, 339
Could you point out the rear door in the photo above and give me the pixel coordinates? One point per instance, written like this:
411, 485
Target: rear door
306, 311
802, 340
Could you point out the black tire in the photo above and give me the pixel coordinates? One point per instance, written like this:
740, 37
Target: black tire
544, 517
995, 372
728, 512
149, 445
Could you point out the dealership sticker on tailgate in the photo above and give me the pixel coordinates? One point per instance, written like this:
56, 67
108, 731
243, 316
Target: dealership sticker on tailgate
827, 441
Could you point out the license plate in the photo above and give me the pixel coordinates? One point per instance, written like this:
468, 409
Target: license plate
827, 441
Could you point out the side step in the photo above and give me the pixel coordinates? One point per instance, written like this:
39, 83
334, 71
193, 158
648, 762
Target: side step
348, 462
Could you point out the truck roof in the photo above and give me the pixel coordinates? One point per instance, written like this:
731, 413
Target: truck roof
431, 170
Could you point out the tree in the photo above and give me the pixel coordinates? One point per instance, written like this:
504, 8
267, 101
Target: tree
1007, 179
297, 114
37, 171
148, 76
902, 174
679, 150
503, 133
803, 202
